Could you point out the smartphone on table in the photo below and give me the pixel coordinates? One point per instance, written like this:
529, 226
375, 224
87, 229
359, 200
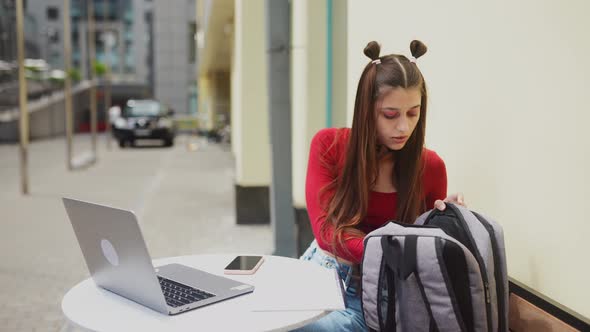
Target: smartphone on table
243, 265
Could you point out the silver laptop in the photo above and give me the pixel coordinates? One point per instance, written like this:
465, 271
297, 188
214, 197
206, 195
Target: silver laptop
118, 260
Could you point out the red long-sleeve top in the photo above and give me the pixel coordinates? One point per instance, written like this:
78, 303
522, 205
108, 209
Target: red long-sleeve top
326, 159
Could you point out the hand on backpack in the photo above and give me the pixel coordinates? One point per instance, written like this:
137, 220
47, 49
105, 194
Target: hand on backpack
454, 198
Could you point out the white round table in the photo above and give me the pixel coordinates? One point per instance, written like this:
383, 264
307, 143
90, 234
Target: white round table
92, 308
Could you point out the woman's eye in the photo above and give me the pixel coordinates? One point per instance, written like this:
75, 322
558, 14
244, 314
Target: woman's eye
391, 115
412, 114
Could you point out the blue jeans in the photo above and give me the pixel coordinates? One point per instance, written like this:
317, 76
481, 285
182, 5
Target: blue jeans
350, 319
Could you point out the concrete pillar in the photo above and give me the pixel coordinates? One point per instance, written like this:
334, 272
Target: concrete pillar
278, 44
250, 135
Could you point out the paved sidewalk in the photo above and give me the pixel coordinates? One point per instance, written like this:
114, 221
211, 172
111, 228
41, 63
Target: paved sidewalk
184, 199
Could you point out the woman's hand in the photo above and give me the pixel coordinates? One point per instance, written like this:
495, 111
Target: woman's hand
454, 198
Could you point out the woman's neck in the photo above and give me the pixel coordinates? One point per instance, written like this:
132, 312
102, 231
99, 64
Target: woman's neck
384, 182
384, 154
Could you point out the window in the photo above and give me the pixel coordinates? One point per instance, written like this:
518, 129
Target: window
52, 13
192, 45
53, 36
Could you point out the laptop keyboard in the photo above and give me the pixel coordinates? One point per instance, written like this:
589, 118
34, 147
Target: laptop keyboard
177, 294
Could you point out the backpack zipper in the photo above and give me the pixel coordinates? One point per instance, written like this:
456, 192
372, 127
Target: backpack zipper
497, 273
480, 262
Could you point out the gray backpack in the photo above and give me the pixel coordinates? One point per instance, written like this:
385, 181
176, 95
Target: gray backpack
446, 272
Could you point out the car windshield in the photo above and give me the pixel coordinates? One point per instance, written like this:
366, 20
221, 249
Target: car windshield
144, 108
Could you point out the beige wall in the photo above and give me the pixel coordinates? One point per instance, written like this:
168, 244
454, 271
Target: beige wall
508, 114
250, 132
206, 102
308, 79
339, 62
214, 101
308, 85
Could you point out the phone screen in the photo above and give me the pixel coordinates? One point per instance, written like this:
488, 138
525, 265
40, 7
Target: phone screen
243, 263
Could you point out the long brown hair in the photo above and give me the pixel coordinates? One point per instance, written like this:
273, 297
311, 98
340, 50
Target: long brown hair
348, 206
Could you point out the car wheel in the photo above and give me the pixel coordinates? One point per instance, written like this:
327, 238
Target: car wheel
169, 142
121, 143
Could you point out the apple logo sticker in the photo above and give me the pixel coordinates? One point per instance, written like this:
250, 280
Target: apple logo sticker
109, 252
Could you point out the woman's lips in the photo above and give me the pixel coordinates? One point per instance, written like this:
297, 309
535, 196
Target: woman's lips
400, 139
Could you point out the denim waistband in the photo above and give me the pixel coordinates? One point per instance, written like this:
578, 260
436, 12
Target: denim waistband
315, 254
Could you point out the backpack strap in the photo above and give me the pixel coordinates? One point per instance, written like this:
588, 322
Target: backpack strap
402, 262
392, 283
405, 262
443, 312
392, 256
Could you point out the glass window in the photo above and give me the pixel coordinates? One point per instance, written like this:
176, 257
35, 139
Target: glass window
52, 13
192, 46
137, 108
53, 36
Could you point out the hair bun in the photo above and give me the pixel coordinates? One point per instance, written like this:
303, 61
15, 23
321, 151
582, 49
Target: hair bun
417, 48
372, 50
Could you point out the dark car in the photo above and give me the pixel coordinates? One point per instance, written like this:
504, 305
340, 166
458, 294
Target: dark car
144, 119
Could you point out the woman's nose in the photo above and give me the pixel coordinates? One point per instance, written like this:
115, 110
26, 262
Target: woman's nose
402, 125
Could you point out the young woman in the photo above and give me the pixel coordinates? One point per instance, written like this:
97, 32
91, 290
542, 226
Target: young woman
360, 178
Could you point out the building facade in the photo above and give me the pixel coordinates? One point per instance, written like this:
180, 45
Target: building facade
124, 20
174, 56
8, 50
